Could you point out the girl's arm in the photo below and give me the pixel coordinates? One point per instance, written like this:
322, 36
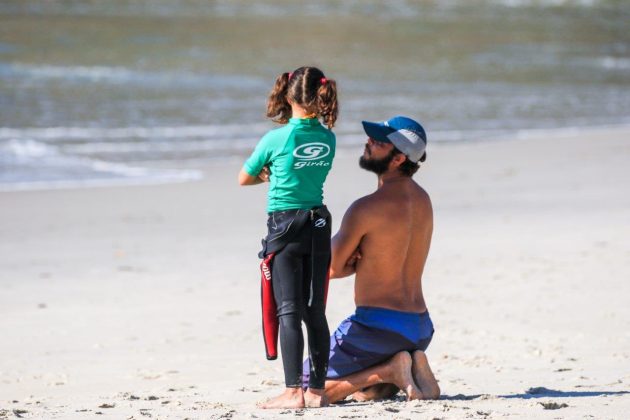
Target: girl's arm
246, 179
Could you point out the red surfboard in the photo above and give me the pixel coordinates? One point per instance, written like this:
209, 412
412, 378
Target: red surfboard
270, 322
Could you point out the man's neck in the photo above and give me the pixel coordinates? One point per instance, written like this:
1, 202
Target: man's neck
390, 177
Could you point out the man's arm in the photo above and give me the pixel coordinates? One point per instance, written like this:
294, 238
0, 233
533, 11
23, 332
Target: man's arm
345, 244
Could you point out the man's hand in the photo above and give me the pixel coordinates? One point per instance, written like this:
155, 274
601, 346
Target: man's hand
349, 268
354, 259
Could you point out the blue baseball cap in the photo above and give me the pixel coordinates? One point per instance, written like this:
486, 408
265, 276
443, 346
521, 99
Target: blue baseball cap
405, 134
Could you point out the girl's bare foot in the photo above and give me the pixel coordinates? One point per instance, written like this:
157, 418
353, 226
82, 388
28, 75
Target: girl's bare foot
402, 377
315, 398
290, 398
424, 377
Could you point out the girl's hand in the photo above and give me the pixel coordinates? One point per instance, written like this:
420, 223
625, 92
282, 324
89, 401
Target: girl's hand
264, 174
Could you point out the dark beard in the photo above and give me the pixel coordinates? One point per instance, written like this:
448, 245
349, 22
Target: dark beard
378, 166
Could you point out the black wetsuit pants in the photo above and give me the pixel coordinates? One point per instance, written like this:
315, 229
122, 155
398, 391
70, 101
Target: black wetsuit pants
299, 277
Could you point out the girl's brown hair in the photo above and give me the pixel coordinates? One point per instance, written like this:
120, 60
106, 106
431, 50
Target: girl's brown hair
307, 87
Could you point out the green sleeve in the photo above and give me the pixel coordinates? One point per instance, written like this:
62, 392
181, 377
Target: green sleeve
261, 156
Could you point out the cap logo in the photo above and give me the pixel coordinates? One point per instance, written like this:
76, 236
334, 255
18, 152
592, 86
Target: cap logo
311, 151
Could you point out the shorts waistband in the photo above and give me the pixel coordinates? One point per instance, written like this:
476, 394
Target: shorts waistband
373, 313
412, 325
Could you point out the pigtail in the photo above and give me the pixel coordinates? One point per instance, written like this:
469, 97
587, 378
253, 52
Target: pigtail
278, 108
327, 107
307, 87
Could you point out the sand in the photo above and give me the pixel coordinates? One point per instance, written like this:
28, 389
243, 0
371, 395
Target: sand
136, 302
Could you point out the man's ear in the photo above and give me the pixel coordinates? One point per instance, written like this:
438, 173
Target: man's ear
398, 160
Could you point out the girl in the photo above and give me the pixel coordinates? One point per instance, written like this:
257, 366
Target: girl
296, 159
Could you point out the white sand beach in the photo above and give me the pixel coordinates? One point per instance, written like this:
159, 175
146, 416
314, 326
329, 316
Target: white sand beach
143, 302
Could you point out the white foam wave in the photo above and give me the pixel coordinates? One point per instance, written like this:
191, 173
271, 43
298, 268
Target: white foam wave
390, 9
163, 178
123, 75
547, 3
165, 147
615, 63
25, 149
29, 165
79, 133
449, 136
22, 151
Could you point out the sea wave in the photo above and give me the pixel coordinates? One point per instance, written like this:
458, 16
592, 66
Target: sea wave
616, 63
136, 77
393, 9
139, 132
31, 165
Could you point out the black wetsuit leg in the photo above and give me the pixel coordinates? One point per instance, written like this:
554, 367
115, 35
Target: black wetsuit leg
299, 281
316, 268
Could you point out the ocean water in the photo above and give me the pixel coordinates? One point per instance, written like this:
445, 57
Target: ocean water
124, 92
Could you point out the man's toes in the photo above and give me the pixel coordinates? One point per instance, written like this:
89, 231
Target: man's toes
424, 376
402, 360
402, 376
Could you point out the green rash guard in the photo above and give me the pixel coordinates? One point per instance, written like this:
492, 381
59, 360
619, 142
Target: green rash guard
299, 156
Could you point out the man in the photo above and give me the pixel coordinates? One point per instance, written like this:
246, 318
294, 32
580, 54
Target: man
384, 240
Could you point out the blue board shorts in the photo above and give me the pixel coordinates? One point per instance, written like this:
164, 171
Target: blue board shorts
371, 336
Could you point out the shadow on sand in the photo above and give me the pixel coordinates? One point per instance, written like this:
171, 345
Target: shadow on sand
537, 392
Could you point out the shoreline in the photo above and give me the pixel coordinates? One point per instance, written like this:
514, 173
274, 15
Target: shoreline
145, 300
163, 172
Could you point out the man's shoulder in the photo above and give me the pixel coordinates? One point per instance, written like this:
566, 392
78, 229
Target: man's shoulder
421, 192
384, 201
369, 200
365, 206
359, 215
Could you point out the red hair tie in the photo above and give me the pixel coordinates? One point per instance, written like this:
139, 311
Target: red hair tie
290, 75
323, 80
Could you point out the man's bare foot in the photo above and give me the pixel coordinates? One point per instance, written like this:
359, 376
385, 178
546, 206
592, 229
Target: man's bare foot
290, 398
402, 377
424, 377
315, 398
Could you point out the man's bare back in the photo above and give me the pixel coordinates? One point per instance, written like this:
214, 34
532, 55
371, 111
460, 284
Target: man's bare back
398, 222
392, 229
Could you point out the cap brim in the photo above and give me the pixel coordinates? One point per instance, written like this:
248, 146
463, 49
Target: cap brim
377, 131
